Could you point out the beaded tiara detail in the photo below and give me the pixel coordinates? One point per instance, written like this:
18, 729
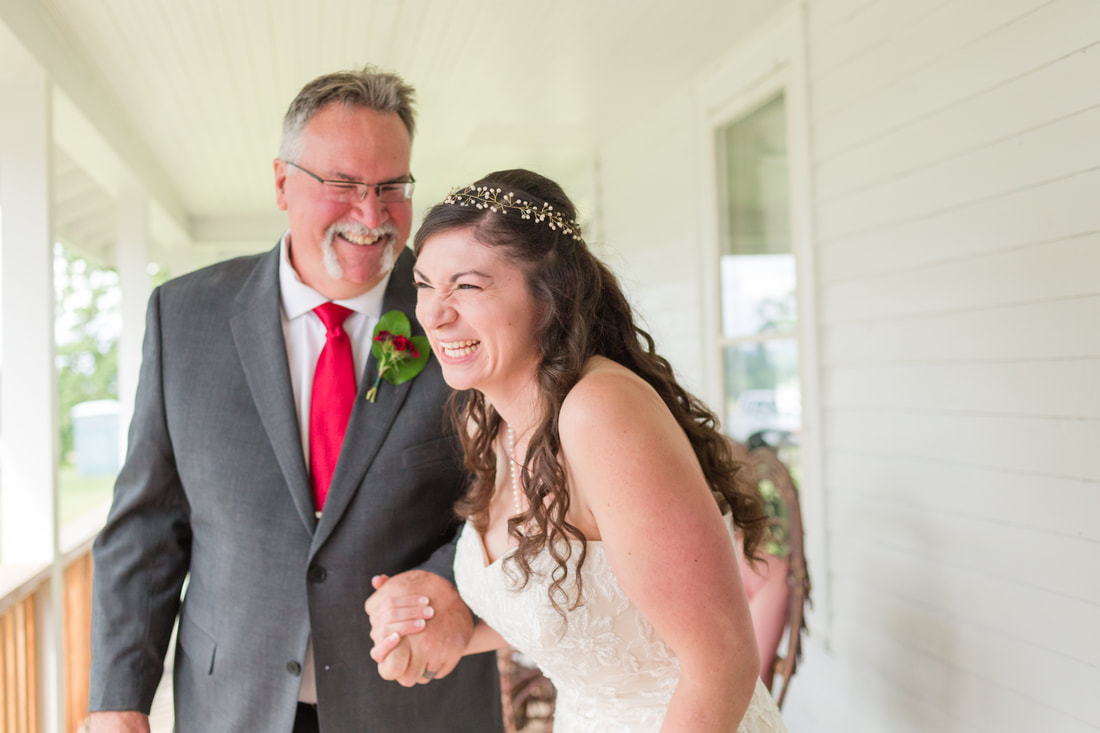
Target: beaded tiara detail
487, 197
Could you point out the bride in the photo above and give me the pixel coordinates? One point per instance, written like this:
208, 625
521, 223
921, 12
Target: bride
595, 540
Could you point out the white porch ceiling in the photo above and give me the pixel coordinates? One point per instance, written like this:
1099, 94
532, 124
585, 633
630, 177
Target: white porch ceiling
189, 94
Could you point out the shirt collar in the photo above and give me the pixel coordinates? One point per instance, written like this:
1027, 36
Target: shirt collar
299, 298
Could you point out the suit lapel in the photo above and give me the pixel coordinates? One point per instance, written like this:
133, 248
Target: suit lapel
258, 333
370, 421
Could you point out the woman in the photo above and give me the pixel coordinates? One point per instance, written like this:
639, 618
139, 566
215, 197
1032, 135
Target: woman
594, 539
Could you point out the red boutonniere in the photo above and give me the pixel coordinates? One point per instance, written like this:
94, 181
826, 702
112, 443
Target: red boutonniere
400, 355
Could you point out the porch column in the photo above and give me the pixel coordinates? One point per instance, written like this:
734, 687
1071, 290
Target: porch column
28, 381
134, 283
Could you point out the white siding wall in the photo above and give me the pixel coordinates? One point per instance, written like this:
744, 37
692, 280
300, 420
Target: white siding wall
652, 228
958, 238
956, 209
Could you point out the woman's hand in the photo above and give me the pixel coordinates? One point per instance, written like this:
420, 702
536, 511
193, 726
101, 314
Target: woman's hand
392, 620
403, 615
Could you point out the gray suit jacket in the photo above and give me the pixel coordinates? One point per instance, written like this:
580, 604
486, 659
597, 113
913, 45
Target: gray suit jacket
215, 485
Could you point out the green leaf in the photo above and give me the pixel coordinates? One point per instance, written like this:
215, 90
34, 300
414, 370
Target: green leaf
398, 324
395, 322
409, 368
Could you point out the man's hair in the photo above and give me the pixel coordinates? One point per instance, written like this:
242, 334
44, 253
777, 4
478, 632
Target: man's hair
370, 87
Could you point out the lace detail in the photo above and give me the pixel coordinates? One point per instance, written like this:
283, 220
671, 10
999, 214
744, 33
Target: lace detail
613, 673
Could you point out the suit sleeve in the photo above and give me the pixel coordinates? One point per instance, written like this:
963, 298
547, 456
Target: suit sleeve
142, 554
442, 561
456, 481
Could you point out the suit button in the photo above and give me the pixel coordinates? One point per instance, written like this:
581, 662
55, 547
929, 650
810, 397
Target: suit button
294, 668
317, 574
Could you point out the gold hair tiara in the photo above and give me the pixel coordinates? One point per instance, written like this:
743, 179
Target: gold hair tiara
486, 197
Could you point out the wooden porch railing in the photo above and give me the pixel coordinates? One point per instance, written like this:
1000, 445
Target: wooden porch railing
78, 638
22, 589
19, 648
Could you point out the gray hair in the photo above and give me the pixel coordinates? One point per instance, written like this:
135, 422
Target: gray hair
371, 88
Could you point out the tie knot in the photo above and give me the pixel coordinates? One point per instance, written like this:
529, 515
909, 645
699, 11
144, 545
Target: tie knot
332, 315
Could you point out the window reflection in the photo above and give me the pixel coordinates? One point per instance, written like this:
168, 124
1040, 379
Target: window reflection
758, 281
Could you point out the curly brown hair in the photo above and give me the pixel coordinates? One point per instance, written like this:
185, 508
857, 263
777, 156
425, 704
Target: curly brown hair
585, 314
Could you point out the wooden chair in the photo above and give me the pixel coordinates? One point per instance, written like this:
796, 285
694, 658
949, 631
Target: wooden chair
773, 477
525, 694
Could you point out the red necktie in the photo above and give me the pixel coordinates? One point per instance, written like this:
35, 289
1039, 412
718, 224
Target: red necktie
332, 399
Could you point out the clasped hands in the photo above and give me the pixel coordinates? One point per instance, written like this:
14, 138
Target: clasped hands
407, 648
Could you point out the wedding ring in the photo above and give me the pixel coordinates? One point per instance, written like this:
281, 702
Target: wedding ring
428, 675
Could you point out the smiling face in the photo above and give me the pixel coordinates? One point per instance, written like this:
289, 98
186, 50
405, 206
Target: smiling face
343, 249
479, 314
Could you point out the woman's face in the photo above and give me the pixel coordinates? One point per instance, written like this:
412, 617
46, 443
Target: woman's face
479, 314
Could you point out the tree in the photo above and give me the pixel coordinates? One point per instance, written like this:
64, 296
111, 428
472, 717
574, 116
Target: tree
87, 336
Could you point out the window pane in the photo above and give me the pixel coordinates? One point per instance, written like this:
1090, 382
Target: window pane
757, 294
757, 265
762, 392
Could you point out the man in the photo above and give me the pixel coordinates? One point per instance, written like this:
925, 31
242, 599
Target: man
239, 418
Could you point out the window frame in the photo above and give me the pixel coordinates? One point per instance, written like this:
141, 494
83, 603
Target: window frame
769, 63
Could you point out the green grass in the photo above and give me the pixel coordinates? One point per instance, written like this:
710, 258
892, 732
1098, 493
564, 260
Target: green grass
77, 495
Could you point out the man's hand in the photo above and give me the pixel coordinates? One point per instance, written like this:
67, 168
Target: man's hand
433, 652
392, 655
118, 721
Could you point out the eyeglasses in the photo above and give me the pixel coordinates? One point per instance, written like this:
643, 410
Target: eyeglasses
393, 192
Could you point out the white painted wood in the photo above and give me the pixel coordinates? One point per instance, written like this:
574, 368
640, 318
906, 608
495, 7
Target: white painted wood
59, 54
134, 283
49, 648
1056, 566
973, 652
1011, 607
838, 49
1057, 447
904, 50
841, 690
174, 261
213, 120
944, 696
987, 173
1065, 389
1001, 495
830, 19
223, 230
1054, 30
1046, 212
1052, 91
1044, 330
654, 255
769, 63
1069, 269
28, 390
813, 495
82, 212
1044, 154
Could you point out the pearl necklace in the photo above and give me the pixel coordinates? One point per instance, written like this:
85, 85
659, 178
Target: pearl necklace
512, 470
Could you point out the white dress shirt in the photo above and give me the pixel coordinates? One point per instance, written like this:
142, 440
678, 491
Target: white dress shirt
304, 334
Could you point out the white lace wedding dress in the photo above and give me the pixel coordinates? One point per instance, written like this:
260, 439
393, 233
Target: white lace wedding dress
612, 672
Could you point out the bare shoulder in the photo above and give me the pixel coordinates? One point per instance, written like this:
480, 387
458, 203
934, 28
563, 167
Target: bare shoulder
627, 458
608, 404
606, 394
